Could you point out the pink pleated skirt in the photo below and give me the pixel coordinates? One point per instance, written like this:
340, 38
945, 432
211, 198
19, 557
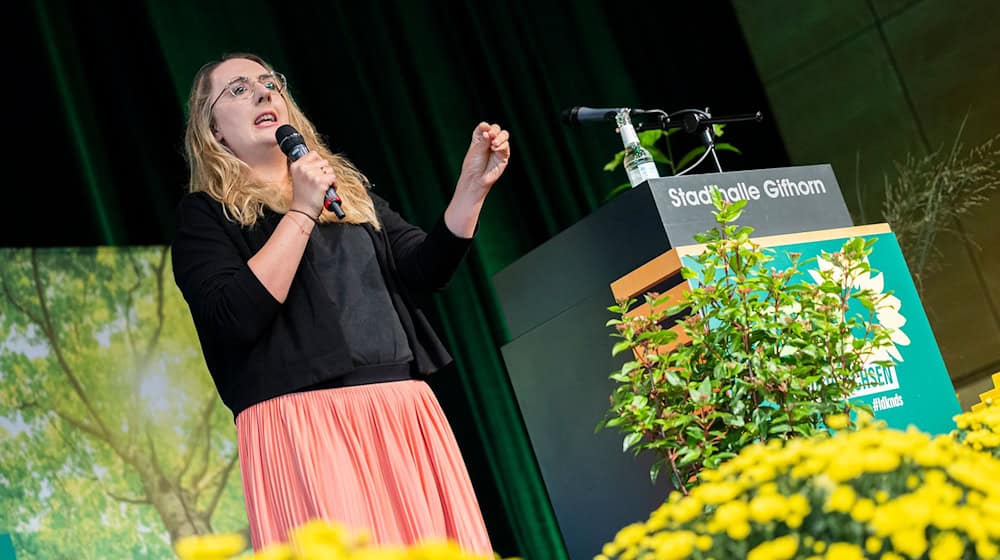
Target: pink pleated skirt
379, 458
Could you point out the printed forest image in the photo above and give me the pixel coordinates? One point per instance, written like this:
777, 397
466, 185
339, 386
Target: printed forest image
113, 442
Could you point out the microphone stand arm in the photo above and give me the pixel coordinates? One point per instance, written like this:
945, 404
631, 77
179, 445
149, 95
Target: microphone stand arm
696, 121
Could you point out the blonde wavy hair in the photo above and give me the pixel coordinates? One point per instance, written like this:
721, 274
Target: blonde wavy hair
226, 178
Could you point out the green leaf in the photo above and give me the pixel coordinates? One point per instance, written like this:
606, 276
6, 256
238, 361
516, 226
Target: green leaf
614, 163
675, 309
617, 191
663, 298
629, 367
647, 138
695, 434
658, 156
702, 392
708, 236
630, 440
654, 471
779, 429
621, 347
730, 213
708, 275
716, 197
725, 147
689, 457
673, 379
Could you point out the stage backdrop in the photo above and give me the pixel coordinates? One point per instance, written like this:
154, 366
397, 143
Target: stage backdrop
113, 440
398, 86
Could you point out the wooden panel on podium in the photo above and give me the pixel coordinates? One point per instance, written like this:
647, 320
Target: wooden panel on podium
664, 269
642, 279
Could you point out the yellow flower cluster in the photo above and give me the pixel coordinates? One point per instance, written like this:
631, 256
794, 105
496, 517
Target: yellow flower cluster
873, 493
980, 429
318, 540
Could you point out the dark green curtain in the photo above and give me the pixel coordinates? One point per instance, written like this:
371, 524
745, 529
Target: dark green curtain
398, 86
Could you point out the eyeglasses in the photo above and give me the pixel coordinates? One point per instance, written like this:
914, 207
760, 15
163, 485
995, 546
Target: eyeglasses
242, 87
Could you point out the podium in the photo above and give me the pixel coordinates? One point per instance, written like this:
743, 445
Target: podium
555, 301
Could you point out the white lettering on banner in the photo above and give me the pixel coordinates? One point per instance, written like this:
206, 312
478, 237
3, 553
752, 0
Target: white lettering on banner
875, 379
703, 196
772, 188
784, 188
885, 403
872, 379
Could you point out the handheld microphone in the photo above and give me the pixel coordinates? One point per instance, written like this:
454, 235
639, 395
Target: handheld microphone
587, 115
294, 146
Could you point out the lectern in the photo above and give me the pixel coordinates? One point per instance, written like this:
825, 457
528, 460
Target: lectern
555, 301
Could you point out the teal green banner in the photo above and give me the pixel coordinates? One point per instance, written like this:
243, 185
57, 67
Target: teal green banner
916, 391
6, 547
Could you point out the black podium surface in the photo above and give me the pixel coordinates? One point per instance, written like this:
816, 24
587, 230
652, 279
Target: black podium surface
555, 301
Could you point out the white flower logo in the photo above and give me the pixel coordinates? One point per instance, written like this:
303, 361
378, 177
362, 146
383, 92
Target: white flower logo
886, 308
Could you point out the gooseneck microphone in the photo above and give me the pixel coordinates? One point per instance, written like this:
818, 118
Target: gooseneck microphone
587, 115
294, 146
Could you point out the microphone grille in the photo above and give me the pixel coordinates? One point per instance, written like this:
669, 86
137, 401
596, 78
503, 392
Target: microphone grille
287, 138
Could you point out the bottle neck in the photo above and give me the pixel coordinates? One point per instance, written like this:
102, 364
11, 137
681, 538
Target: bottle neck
629, 136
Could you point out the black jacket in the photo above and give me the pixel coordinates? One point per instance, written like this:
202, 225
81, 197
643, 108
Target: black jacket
257, 348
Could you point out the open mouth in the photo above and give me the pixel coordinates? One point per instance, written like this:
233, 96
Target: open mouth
266, 118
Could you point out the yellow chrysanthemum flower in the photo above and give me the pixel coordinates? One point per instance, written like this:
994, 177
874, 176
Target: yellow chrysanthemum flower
947, 546
730, 514
878, 461
716, 493
687, 510
837, 421
842, 499
844, 551
863, 510
703, 543
781, 548
209, 547
673, 546
274, 552
845, 467
986, 549
630, 535
738, 531
910, 542
766, 508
